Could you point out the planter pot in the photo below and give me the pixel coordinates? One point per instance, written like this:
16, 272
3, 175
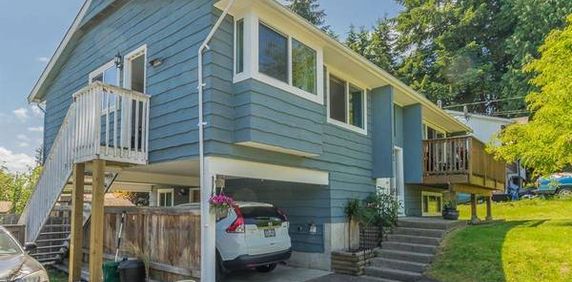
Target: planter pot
351, 262
450, 214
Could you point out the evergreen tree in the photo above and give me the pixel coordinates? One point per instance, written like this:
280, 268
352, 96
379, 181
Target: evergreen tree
375, 45
310, 10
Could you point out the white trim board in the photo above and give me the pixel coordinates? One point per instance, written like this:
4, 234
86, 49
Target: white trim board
256, 170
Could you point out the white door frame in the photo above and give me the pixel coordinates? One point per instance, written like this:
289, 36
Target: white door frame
399, 178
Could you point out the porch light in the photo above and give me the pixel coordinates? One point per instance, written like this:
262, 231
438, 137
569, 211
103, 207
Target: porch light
118, 60
156, 62
313, 228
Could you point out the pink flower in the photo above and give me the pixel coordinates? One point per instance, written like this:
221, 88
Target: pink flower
221, 200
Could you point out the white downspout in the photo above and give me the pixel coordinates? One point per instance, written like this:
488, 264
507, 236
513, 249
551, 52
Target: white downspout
208, 249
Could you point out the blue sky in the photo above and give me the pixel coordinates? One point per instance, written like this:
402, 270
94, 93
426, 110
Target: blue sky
30, 31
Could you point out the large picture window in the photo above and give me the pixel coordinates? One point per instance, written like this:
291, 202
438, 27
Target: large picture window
346, 103
303, 67
337, 99
273, 53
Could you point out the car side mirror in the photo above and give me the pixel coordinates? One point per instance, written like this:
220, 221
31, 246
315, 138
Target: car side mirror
30, 247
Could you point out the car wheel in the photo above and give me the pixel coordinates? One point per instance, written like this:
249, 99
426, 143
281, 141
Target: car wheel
220, 273
266, 268
565, 192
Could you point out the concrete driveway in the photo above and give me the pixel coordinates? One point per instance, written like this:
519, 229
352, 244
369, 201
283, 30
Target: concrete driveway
282, 273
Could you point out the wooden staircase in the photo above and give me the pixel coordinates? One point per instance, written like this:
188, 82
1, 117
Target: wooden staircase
405, 255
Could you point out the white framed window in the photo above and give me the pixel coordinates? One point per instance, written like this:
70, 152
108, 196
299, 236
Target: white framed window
347, 104
135, 70
431, 203
108, 74
165, 197
194, 195
286, 61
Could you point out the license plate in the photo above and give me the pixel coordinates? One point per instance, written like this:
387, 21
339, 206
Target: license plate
269, 232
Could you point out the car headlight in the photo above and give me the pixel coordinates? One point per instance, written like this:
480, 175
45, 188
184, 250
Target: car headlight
38, 276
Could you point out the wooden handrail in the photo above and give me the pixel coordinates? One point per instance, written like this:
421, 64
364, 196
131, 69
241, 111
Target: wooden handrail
460, 155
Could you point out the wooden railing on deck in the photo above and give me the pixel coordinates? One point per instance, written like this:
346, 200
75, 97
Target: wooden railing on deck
458, 159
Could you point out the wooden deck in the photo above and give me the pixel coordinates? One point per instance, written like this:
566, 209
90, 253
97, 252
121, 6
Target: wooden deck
463, 162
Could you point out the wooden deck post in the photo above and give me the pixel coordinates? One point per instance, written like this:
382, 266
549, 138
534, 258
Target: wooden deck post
96, 225
489, 208
474, 218
76, 242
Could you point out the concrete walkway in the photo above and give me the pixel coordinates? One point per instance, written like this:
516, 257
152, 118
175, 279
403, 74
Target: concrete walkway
282, 273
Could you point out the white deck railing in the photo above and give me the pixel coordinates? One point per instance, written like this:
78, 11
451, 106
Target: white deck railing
103, 122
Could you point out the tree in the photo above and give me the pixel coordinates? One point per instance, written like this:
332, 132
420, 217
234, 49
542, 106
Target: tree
310, 10
545, 143
376, 45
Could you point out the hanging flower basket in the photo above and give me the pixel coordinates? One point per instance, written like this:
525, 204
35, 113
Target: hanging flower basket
221, 203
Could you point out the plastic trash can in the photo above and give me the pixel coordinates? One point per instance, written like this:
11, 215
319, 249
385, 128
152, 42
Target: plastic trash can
110, 273
131, 271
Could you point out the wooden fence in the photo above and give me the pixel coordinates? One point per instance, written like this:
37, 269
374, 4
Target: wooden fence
169, 236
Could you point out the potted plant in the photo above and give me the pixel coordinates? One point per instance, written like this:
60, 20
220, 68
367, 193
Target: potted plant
450, 211
221, 203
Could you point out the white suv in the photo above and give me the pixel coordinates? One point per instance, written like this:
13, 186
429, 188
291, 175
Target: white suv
252, 235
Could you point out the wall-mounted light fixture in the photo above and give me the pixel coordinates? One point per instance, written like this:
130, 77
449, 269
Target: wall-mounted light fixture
118, 60
156, 62
313, 229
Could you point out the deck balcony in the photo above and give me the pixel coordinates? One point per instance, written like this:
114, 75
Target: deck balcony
461, 160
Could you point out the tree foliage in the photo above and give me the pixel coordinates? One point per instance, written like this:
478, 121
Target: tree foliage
311, 11
18, 187
545, 143
376, 45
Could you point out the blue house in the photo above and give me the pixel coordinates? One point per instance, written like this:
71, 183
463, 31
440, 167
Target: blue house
290, 116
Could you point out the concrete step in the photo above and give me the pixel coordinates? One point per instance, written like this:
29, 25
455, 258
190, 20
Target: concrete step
409, 247
366, 278
399, 264
413, 239
388, 273
405, 256
425, 223
434, 233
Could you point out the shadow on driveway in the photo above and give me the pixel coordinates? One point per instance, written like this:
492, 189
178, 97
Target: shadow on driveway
282, 273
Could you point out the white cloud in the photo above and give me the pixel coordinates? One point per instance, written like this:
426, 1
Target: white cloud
43, 59
23, 144
37, 112
15, 162
36, 129
21, 114
22, 137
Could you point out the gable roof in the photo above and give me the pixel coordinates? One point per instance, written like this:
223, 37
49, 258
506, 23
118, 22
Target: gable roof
37, 93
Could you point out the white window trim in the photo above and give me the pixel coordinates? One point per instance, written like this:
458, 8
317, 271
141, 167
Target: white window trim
250, 67
191, 199
165, 191
127, 59
427, 193
346, 125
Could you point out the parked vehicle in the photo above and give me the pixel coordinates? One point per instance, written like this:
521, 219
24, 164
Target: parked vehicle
15, 263
252, 236
557, 183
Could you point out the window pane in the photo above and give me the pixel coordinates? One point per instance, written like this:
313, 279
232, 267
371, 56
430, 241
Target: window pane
110, 76
356, 106
303, 67
337, 99
169, 199
240, 46
272, 53
138, 74
98, 77
162, 199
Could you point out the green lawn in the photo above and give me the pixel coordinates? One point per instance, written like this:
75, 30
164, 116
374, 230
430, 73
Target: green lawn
57, 276
533, 244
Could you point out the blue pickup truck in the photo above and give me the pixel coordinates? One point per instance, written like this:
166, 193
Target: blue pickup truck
557, 183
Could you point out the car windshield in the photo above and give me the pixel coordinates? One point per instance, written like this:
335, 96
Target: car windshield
8, 246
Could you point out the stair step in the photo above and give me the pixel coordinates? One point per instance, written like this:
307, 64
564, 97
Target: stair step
413, 239
366, 278
45, 254
409, 247
400, 275
55, 233
48, 260
50, 247
399, 264
57, 225
406, 256
50, 240
419, 232
426, 224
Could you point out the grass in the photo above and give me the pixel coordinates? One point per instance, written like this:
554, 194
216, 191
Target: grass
57, 276
534, 243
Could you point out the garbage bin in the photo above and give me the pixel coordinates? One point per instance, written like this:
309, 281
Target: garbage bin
110, 273
131, 271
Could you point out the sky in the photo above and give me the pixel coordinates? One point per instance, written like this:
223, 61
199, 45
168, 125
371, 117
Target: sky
30, 31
